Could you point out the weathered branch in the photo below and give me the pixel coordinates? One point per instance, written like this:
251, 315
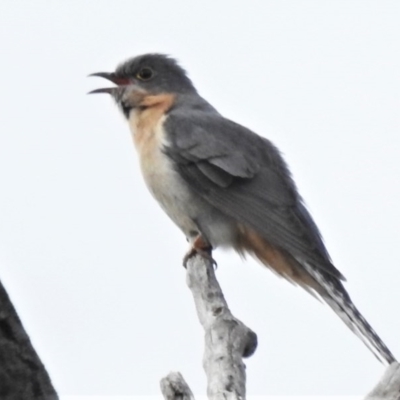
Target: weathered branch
22, 374
174, 387
389, 386
227, 340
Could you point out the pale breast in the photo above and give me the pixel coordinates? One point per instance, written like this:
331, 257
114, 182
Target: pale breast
164, 183
191, 213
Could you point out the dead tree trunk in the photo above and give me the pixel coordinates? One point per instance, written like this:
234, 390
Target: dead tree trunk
22, 374
227, 341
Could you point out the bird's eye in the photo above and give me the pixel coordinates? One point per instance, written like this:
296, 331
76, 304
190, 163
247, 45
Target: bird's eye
145, 74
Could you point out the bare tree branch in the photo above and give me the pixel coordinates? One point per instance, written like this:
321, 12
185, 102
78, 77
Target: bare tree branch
227, 340
174, 387
22, 374
389, 386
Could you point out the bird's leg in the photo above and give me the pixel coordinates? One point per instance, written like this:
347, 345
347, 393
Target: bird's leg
202, 247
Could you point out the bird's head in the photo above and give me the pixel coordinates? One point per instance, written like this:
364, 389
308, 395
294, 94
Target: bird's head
148, 74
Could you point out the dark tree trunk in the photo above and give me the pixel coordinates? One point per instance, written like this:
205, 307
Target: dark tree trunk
22, 374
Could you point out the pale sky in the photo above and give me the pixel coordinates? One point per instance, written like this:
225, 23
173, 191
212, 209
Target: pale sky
92, 264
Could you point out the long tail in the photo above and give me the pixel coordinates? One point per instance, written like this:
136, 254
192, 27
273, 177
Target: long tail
336, 296
316, 281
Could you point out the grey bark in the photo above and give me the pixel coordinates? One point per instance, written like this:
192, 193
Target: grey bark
22, 374
227, 340
174, 387
389, 386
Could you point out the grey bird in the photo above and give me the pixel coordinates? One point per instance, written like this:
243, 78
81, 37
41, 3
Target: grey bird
223, 185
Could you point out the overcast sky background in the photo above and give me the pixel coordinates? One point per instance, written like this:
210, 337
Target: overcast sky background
93, 265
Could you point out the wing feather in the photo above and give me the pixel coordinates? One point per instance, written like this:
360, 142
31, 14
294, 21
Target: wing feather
244, 176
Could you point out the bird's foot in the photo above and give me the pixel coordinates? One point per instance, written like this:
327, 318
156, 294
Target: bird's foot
201, 247
201, 252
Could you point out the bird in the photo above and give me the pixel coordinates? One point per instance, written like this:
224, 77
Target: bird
224, 185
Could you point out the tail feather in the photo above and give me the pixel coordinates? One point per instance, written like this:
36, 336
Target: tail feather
317, 282
335, 295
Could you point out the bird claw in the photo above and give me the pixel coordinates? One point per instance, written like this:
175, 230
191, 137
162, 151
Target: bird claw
205, 253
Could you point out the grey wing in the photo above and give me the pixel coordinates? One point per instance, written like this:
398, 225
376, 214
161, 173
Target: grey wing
244, 176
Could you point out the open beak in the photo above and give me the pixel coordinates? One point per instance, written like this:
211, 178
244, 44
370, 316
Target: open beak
111, 77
